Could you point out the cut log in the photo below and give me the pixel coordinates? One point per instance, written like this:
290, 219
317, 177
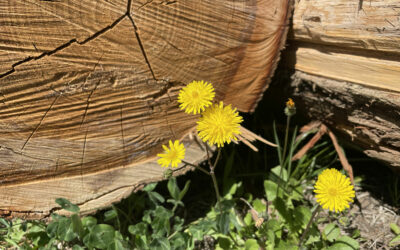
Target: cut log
366, 117
88, 89
346, 56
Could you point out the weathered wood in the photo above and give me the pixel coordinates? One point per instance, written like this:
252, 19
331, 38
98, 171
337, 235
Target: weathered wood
366, 117
90, 192
89, 87
337, 63
346, 57
371, 25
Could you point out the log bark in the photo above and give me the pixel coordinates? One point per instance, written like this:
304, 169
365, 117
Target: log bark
368, 118
346, 57
88, 88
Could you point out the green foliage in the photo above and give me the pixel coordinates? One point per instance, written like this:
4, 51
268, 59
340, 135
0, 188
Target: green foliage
274, 218
396, 240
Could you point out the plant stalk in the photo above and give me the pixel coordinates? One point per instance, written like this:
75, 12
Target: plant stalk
308, 225
286, 139
283, 154
214, 179
196, 166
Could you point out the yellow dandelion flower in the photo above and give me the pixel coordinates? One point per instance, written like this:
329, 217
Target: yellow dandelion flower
172, 155
196, 96
334, 190
219, 124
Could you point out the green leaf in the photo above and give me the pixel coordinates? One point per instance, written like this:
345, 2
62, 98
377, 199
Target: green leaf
139, 228
101, 236
297, 193
89, 222
395, 228
277, 171
141, 242
285, 245
156, 197
77, 226
110, 215
270, 189
259, 206
231, 190
160, 243
395, 241
283, 211
273, 225
224, 242
160, 223
302, 216
345, 243
184, 190
331, 232
270, 236
65, 230
67, 205
251, 244
173, 188
223, 222
77, 247
202, 228
118, 244
4, 222
52, 228
178, 224
313, 236
150, 187
146, 216
179, 241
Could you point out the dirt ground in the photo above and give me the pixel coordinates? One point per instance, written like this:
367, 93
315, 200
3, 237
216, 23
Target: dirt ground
373, 217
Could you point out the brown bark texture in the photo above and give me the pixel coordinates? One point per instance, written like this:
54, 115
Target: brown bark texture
88, 88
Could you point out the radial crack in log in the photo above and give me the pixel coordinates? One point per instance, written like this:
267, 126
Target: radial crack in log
61, 47
141, 46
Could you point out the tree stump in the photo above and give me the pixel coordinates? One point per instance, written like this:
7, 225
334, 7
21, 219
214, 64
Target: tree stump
346, 54
88, 89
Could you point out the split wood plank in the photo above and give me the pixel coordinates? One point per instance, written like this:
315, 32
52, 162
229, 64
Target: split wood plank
337, 63
361, 24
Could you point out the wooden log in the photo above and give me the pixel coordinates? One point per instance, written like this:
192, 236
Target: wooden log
363, 116
346, 57
88, 89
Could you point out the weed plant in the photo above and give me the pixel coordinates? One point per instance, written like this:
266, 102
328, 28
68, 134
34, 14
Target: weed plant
271, 208
252, 201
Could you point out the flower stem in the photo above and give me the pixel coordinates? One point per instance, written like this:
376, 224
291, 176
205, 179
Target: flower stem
316, 210
196, 166
214, 179
283, 154
286, 139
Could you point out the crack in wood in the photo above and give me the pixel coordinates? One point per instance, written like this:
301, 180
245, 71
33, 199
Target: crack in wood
40, 122
63, 46
88, 103
141, 46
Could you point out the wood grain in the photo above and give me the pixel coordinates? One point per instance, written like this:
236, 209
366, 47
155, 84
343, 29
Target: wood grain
90, 87
90, 192
346, 65
370, 25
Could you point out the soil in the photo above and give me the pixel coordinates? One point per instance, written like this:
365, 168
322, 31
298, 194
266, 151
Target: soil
373, 217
